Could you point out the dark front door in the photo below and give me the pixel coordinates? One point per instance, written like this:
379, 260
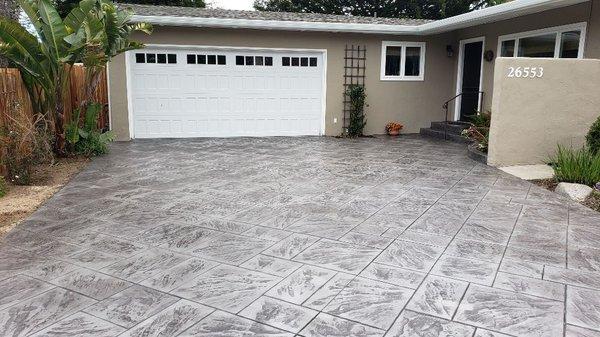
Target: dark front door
471, 78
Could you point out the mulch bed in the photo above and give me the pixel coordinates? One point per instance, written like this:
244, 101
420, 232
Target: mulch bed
21, 201
593, 201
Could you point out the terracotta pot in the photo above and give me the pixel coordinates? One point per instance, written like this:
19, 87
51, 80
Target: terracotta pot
394, 132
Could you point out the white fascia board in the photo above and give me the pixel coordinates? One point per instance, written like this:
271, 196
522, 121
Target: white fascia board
276, 25
491, 14
500, 12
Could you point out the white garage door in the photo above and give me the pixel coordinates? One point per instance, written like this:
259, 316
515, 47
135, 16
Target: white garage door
225, 93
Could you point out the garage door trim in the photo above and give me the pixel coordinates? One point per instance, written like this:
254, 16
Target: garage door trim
128, 73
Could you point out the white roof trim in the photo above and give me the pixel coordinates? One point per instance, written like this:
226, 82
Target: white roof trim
274, 25
491, 14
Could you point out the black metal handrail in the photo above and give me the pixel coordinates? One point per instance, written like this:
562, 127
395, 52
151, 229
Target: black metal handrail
480, 95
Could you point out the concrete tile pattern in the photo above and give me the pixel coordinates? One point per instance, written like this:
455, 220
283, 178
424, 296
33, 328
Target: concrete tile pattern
305, 237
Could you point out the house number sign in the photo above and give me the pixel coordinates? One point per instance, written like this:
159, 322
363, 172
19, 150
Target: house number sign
526, 72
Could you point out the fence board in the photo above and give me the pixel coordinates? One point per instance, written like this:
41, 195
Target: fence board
12, 90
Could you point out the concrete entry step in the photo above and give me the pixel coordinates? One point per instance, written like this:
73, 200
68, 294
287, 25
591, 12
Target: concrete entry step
453, 137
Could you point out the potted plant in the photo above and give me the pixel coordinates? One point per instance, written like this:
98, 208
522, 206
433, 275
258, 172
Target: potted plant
393, 128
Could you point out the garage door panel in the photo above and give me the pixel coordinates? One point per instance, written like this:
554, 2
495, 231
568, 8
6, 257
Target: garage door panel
227, 100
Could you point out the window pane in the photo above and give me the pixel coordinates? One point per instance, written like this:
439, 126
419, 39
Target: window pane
211, 59
393, 56
249, 60
508, 48
537, 46
221, 59
239, 60
295, 61
313, 61
569, 44
151, 58
191, 59
412, 66
201, 59
172, 58
259, 60
304, 61
140, 58
268, 61
162, 58
285, 61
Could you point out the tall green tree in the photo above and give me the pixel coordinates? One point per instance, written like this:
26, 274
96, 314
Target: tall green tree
416, 9
92, 33
65, 6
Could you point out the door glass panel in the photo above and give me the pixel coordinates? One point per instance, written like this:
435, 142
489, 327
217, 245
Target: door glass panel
393, 56
412, 66
508, 48
537, 46
569, 44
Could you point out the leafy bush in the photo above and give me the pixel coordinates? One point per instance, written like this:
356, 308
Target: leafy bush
479, 135
576, 166
479, 131
3, 187
92, 33
87, 140
481, 119
593, 137
356, 95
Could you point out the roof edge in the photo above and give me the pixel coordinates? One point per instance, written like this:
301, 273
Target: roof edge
276, 25
487, 15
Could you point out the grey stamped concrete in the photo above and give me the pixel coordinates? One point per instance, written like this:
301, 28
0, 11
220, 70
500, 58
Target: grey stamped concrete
300, 237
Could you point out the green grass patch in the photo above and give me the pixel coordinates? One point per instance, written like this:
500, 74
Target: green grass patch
576, 165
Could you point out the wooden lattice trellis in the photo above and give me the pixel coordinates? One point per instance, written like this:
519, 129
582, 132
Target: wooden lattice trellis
355, 59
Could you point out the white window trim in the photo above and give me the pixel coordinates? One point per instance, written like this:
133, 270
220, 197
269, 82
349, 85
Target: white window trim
558, 30
402, 77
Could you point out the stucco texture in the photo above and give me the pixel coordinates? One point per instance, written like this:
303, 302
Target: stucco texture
413, 103
585, 12
532, 115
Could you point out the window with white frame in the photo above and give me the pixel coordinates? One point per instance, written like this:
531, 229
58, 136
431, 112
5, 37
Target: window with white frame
402, 61
556, 42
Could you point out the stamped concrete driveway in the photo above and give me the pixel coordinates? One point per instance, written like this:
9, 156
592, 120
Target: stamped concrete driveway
301, 236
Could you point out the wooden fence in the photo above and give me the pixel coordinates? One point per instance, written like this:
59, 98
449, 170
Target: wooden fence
13, 90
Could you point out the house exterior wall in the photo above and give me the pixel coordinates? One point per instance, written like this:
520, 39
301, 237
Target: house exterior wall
413, 103
585, 12
532, 115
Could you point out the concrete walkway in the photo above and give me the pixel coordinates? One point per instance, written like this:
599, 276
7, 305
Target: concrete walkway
301, 237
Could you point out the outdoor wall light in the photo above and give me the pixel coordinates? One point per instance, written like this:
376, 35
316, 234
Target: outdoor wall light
449, 50
488, 56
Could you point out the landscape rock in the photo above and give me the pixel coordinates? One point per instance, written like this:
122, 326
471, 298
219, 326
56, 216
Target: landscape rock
577, 192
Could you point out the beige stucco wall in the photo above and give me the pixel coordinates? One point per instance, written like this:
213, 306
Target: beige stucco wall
413, 103
585, 12
532, 115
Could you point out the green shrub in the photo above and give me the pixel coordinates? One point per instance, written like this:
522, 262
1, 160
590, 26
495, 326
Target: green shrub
87, 140
479, 131
593, 137
3, 187
356, 95
576, 166
95, 144
481, 119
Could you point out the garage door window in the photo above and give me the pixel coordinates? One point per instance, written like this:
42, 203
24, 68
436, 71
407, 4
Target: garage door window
155, 58
242, 60
207, 59
299, 61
